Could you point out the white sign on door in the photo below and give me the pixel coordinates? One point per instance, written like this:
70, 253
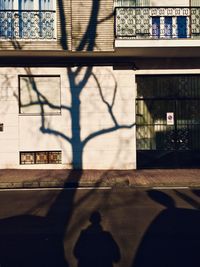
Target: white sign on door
170, 118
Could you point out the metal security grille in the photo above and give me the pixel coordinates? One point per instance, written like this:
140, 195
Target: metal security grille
157, 22
168, 121
27, 24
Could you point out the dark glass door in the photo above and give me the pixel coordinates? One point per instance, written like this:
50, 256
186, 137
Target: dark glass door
168, 129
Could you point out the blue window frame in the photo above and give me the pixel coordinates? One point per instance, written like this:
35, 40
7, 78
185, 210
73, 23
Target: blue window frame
156, 27
168, 27
182, 27
166, 31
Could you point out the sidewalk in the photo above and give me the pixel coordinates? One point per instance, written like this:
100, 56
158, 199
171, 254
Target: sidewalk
68, 178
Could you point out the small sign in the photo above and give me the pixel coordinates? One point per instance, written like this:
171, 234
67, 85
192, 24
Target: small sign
170, 118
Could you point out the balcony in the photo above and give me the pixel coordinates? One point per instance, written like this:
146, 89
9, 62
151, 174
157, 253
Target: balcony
27, 25
157, 22
158, 27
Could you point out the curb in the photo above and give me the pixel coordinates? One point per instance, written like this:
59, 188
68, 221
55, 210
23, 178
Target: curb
114, 183
60, 184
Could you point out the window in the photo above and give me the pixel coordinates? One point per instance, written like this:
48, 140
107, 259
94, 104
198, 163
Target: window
182, 27
40, 157
39, 95
27, 19
170, 27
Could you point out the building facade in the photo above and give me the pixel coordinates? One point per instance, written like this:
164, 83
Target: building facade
99, 84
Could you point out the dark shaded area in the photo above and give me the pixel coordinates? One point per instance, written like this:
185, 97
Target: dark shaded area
28, 240
67, 61
117, 61
88, 40
64, 35
31, 241
168, 159
172, 239
96, 247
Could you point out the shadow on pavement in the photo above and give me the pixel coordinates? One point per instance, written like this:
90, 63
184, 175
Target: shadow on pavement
172, 239
96, 247
30, 243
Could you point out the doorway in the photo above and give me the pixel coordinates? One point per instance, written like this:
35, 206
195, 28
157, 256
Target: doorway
168, 121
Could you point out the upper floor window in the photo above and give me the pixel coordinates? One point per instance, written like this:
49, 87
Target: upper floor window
27, 19
156, 22
170, 27
27, 4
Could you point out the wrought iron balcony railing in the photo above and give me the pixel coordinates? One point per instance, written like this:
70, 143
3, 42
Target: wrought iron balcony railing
27, 24
157, 22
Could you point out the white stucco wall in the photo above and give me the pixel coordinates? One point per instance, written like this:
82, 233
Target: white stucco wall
169, 3
112, 144
116, 149
102, 88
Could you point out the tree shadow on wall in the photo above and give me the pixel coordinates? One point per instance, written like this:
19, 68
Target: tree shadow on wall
172, 239
78, 78
28, 240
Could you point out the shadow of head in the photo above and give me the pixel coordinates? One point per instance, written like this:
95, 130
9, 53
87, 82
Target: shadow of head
95, 218
161, 198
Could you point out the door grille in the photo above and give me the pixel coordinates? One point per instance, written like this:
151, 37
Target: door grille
158, 96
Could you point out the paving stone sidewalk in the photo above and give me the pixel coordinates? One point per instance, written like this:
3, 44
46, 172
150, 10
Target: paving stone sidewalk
11, 178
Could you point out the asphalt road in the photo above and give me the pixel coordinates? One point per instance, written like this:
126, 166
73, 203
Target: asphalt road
122, 227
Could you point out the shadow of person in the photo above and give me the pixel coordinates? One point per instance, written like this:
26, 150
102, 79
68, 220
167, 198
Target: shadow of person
172, 239
96, 247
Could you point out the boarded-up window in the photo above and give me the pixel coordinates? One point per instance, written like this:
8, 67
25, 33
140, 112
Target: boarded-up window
39, 95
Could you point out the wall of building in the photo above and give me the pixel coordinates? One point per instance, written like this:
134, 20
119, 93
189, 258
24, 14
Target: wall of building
147, 3
92, 25
171, 3
104, 99
97, 119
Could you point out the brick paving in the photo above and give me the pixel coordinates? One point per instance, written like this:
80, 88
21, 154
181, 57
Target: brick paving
10, 178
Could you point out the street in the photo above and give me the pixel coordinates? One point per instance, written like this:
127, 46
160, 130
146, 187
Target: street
123, 226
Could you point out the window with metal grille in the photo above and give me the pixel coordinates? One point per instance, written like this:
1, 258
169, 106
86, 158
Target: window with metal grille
40, 157
28, 19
